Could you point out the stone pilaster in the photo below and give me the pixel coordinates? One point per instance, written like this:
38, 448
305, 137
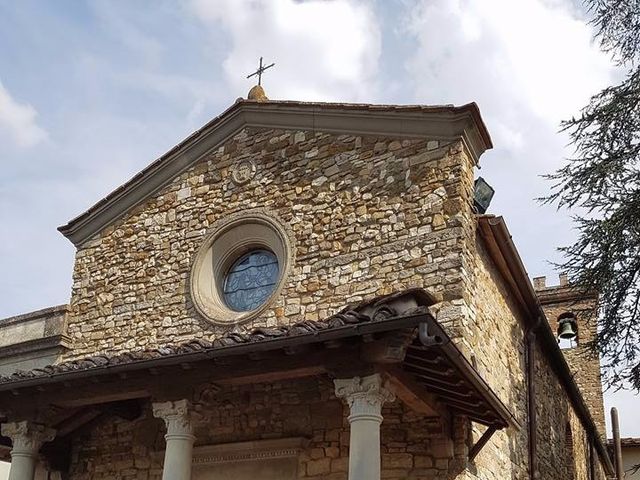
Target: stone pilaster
27, 438
365, 397
179, 438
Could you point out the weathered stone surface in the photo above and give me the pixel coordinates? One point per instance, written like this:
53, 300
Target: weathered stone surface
354, 228
32, 340
494, 338
563, 299
116, 449
370, 216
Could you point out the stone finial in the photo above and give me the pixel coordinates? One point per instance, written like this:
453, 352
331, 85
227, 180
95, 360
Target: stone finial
27, 437
257, 94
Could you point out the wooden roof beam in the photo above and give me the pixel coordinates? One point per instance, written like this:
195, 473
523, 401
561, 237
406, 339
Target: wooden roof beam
411, 393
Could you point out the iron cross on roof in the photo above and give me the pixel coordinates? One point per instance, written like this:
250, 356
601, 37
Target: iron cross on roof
259, 71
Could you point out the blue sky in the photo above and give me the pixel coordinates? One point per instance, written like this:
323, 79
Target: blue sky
91, 92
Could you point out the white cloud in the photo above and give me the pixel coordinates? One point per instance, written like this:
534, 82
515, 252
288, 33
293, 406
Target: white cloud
118, 25
529, 64
323, 50
626, 401
529, 56
18, 121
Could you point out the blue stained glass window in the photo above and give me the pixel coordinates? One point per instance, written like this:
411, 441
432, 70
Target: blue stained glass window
251, 280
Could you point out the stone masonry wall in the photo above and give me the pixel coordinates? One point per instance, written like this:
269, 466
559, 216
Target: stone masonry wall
125, 450
558, 457
494, 334
370, 216
118, 449
560, 299
494, 337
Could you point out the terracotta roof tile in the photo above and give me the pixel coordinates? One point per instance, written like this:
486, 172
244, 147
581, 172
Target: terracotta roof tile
378, 309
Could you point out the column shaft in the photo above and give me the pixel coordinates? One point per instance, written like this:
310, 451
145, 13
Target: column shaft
178, 458
27, 438
365, 397
364, 449
23, 466
179, 439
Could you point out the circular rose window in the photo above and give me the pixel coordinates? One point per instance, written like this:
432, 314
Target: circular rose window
251, 280
241, 267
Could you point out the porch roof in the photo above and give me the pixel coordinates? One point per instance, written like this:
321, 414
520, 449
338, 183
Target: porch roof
379, 334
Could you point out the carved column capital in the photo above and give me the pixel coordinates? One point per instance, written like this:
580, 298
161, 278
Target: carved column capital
176, 416
365, 396
179, 437
27, 437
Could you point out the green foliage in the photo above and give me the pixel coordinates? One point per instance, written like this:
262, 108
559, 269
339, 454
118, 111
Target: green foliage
602, 183
617, 25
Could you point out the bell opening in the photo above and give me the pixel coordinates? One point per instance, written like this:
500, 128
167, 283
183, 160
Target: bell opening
567, 331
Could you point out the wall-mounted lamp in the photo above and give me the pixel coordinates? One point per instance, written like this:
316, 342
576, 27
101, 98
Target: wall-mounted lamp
482, 195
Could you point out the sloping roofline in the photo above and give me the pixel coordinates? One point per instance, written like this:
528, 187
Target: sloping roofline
444, 122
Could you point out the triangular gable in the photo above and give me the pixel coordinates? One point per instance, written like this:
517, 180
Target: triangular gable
445, 122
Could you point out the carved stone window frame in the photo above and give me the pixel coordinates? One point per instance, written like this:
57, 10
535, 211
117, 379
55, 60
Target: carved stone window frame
229, 239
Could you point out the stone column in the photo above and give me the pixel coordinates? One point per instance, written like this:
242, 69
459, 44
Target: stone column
27, 438
365, 397
179, 439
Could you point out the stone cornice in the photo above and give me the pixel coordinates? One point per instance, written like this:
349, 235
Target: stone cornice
57, 311
57, 342
551, 295
247, 451
35, 331
436, 122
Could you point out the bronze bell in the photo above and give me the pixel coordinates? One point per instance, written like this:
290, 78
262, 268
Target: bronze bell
567, 328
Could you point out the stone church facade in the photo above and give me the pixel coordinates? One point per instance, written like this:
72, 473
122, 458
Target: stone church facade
302, 290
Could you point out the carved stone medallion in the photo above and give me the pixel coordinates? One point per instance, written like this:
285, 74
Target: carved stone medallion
243, 171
